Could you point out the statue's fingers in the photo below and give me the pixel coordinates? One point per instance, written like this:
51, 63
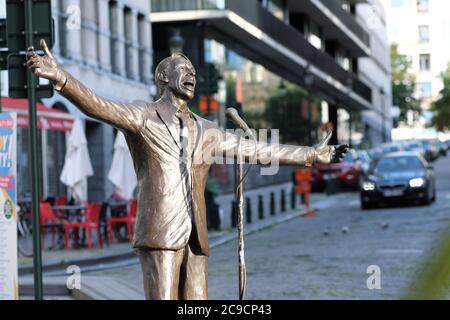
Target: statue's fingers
31, 53
33, 60
37, 71
31, 65
45, 48
325, 140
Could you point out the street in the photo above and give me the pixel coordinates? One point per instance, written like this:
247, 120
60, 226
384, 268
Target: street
327, 256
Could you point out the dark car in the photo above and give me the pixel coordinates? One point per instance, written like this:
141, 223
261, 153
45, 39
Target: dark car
431, 150
414, 146
363, 157
442, 148
398, 176
347, 172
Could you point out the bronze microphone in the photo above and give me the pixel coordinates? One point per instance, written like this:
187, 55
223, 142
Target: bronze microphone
233, 115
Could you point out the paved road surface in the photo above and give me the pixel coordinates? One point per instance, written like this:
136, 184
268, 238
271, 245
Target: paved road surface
295, 260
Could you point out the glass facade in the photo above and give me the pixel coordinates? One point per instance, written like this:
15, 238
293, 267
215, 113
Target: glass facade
53, 144
175, 5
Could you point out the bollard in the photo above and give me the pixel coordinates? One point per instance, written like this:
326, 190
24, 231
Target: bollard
293, 199
283, 200
248, 209
260, 207
272, 203
233, 214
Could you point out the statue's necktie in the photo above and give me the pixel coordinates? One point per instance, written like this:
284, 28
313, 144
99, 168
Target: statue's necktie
187, 136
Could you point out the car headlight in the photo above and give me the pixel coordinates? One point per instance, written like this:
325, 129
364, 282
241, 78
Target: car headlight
416, 182
368, 186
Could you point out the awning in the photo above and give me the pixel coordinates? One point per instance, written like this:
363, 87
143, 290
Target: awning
47, 118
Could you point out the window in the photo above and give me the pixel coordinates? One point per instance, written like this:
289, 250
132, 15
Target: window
396, 3
128, 16
62, 29
424, 33
425, 89
114, 41
276, 8
90, 32
422, 5
143, 70
424, 62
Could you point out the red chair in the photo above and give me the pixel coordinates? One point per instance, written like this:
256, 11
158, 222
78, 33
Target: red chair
129, 220
92, 221
60, 201
48, 220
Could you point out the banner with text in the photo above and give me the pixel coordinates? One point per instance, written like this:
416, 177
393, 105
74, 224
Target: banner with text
8, 207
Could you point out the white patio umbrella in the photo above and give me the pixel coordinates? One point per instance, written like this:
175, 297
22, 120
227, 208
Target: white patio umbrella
122, 173
77, 164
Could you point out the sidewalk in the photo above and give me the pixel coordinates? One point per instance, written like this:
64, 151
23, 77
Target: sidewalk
55, 262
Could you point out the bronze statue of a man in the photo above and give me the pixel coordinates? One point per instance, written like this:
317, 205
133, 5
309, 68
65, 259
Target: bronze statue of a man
167, 143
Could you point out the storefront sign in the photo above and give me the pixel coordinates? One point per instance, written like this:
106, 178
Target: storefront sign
8, 213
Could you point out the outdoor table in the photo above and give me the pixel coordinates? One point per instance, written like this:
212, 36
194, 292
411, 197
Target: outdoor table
72, 212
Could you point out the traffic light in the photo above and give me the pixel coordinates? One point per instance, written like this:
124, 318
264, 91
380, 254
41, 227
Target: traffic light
3, 45
208, 82
17, 79
42, 24
13, 44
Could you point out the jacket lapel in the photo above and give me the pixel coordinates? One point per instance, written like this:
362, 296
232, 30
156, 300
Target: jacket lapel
167, 118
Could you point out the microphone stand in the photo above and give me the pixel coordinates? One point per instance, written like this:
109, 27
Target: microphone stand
233, 115
239, 209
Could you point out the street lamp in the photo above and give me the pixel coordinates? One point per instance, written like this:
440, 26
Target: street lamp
309, 80
176, 42
383, 107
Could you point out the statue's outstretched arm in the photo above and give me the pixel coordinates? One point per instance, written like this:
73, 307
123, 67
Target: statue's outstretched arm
121, 115
266, 153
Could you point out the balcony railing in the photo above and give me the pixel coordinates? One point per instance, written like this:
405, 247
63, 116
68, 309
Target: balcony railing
176, 5
347, 19
254, 13
292, 39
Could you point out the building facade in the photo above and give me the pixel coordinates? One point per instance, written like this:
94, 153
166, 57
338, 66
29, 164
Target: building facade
107, 45
376, 124
326, 41
420, 28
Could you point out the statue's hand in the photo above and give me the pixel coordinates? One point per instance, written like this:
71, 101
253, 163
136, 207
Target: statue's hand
45, 66
328, 154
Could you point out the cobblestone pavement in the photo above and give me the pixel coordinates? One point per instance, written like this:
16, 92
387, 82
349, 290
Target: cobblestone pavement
327, 256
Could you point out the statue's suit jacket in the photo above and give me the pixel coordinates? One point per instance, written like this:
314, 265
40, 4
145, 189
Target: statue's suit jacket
169, 214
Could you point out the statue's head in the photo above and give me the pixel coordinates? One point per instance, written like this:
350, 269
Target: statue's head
177, 74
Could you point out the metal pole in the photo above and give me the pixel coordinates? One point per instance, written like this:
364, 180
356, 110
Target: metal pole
37, 259
350, 129
310, 142
240, 223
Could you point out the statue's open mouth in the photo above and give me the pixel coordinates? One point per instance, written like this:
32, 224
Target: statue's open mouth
188, 84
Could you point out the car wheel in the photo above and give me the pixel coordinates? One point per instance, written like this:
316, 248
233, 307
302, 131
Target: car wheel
427, 200
366, 205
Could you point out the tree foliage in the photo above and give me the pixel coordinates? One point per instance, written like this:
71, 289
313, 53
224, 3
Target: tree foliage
403, 83
283, 112
441, 107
